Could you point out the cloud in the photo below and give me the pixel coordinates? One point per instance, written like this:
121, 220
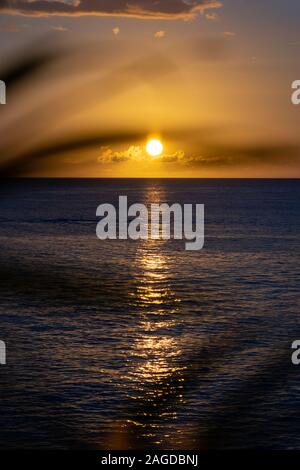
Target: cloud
177, 157
227, 156
137, 154
229, 34
247, 155
212, 16
116, 30
159, 34
146, 9
134, 153
59, 28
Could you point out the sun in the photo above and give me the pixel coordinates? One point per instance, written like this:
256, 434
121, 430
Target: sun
154, 147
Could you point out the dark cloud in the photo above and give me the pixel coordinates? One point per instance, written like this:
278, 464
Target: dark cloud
166, 9
240, 156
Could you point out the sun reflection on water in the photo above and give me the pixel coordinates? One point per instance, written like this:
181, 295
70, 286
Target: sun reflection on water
154, 372
156, 348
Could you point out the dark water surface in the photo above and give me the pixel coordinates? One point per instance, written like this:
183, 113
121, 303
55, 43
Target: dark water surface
115, 344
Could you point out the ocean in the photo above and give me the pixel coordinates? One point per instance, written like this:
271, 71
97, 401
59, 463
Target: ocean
122, 344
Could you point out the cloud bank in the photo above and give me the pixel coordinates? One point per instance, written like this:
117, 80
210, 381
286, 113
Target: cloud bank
136, 154
212, 157
151, 9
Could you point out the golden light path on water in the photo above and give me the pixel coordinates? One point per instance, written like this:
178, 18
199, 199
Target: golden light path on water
156, 348
154, 290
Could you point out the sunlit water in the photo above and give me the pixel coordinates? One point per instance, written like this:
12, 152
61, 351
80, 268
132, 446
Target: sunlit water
119, 344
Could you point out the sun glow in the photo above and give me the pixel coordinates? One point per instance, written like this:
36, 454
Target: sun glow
154, 147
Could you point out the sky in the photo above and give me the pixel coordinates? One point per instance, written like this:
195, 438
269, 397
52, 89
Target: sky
210, 79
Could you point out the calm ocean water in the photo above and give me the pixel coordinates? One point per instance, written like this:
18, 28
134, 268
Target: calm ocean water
116, 344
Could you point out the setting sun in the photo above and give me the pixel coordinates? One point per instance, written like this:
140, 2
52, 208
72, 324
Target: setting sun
154, 147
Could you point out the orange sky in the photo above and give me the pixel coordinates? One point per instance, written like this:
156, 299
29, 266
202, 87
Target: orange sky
213, 83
